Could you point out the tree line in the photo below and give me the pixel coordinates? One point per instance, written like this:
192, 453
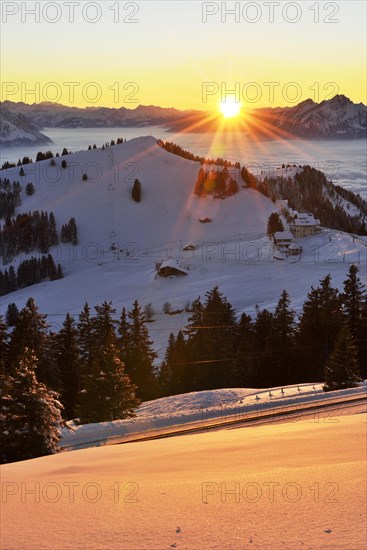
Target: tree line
310, 191
177, 150
29, 272
33, 231
40, 156
217, 183
275, 348
70, 360
9, 197
99, 366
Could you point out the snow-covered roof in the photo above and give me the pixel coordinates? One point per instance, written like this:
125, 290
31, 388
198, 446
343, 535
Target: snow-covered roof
190, 245
305, 219
173, 264
283, 236
282, 203
294, 246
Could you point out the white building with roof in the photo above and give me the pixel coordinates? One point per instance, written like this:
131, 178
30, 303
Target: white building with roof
304, 225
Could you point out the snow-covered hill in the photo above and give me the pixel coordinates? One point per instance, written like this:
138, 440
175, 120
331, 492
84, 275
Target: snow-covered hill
232, 251
16, 129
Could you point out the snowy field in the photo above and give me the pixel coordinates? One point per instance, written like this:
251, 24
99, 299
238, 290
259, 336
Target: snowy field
289, 486
232, 251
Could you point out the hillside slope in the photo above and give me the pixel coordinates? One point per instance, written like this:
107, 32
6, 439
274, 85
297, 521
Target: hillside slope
232, 251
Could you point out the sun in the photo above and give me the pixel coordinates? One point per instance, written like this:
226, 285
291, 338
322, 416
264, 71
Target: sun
230, 108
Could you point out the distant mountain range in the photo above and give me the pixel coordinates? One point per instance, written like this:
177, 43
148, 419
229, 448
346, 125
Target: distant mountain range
16, 129
335, 118
55, 115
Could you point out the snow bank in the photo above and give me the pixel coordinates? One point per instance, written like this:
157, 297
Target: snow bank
197, 408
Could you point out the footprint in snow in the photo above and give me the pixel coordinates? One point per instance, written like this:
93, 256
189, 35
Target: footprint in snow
174, 545
328, 531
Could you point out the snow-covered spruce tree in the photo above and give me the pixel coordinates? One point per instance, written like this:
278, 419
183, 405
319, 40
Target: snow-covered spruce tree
108, 393
31, 331
30, 413
342, 368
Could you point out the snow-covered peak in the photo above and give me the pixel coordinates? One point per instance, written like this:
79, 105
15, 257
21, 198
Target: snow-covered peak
17, 130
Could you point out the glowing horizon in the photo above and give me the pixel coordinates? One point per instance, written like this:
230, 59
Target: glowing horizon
169, 54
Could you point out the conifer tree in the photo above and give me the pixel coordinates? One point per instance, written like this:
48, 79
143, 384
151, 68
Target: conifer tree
31, 331
246, 352
275, 224
263, 328
282, 342
363, 341
123, 339
199, 185
195, 346
136, 191
321, 320
4, 340
140, 365
30, 413
165, 377
104, 325
53, 239
108, 393
171, 375
69, 364
86, 340
353, 300
342, 368
12, 313
29, 189
220, 342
